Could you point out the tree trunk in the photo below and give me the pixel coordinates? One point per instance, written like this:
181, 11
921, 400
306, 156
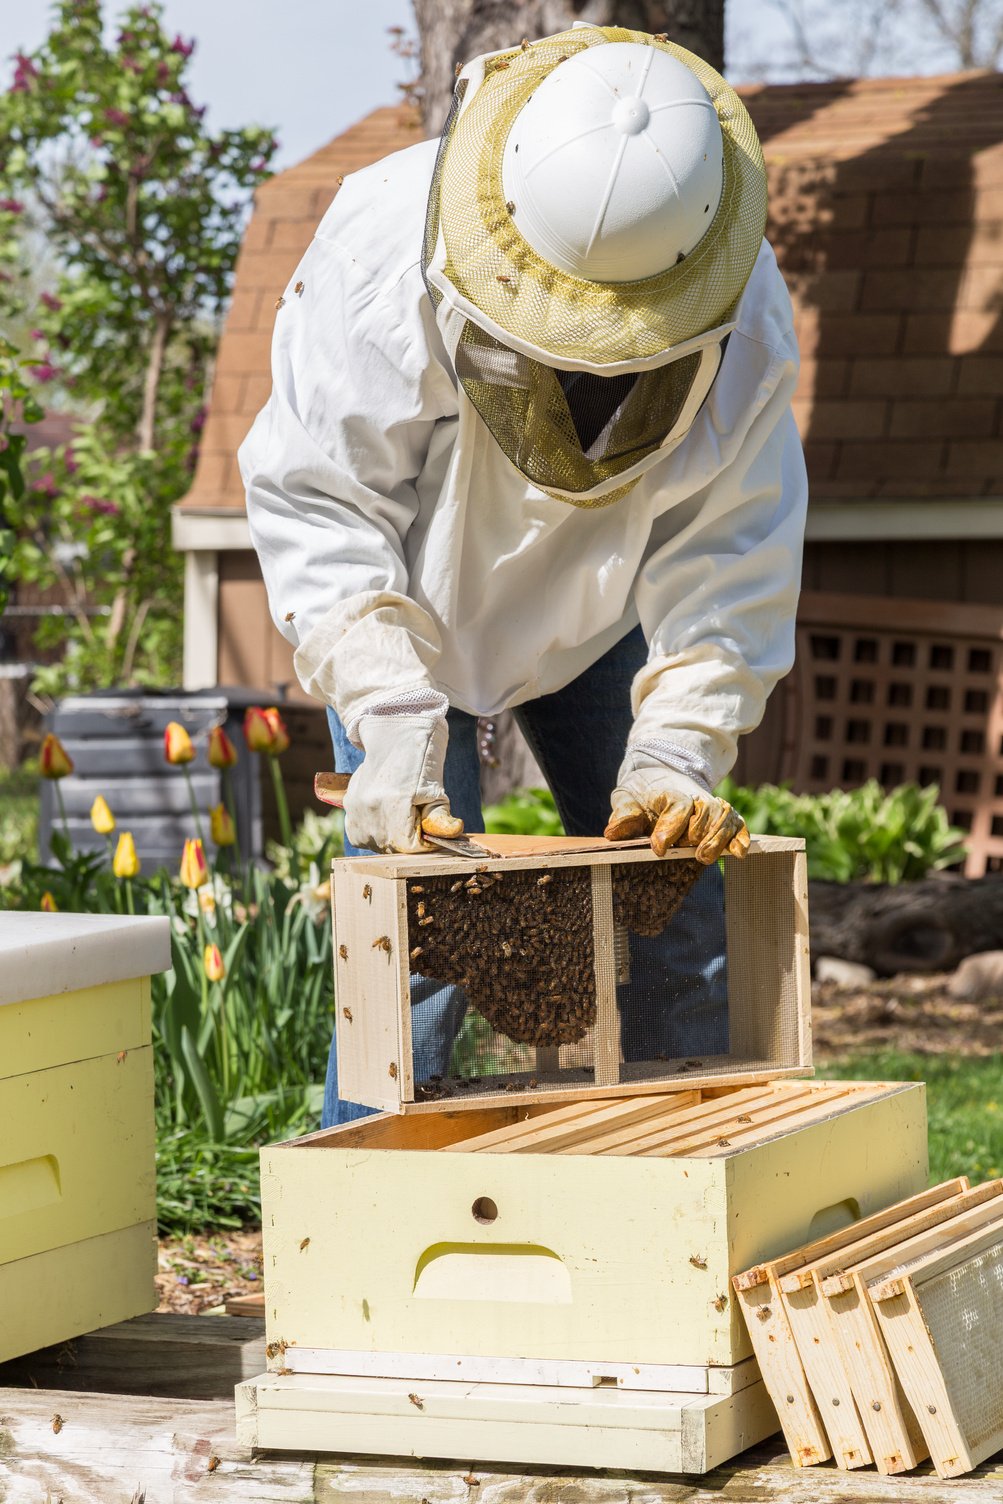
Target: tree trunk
930, 925
454, 31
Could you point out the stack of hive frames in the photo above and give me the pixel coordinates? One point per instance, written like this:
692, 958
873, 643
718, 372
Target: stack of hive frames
381, 928
881, 1343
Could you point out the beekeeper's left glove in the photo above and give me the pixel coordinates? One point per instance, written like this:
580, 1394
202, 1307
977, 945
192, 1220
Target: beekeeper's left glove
674, 809
398, 790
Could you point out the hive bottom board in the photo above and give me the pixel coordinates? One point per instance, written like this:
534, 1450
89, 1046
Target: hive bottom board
604, 1428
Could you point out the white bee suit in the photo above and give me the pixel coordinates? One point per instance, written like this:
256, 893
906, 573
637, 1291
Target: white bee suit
406, 558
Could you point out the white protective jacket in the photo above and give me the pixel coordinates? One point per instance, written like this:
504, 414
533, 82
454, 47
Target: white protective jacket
403, 552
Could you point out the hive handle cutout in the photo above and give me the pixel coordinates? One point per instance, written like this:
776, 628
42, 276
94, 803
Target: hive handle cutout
517, 1273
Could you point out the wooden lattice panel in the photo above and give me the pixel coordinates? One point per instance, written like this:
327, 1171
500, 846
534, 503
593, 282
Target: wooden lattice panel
905, 692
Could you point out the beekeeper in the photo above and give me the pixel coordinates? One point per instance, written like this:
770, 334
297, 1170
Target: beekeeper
530, 446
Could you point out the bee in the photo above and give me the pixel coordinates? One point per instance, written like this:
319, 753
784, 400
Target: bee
541, 882
419, 950
304, 1244
428, 919
212, 1464
348, 1013
506, 950
290, 616
510, 206
392, 1070
762, 1313
457, 70
299, 288
661, 36
57, 1423
474, 888
506, 280
421, 909
416, 1402
743, 1117
367, 893
343, 952
383, 943
456, 886
723, 1143
340, 181
417, 888
697, 1261
280, 302
276, 1349
120, 1056
720, 1302
524, 44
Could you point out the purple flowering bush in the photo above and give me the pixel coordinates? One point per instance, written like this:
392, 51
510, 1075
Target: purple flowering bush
108, 161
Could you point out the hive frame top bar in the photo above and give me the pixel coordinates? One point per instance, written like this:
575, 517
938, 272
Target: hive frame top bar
515, 853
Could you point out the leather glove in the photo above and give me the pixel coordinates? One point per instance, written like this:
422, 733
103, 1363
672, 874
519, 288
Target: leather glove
398, 792
674, 809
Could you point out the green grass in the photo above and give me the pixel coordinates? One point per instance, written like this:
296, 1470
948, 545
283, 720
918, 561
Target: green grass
964, 1103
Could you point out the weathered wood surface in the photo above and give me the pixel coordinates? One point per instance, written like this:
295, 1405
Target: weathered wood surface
120, 1449
186, 1357
930, 925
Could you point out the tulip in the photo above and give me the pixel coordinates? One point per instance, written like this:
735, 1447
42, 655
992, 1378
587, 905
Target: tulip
55, 760
178, 747
125, 862
102, 818
257, 732
194, 871
48, 904
221, 825
212, 960
280, 736
222, 752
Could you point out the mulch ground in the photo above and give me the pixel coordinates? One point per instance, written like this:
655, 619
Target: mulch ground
909, 1013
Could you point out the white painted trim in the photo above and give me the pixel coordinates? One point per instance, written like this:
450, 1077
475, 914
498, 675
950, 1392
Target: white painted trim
200, 662
215, 532
867, 521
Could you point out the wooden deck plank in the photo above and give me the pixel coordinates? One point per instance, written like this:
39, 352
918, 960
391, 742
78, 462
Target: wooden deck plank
110, 1446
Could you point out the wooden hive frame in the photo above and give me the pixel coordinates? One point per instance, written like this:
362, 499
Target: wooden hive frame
766, 921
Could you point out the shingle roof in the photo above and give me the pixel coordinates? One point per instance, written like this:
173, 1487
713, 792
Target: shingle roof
886, 210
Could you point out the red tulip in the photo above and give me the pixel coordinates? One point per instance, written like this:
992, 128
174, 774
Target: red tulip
194, 870
222, 752
55, 761
177, 744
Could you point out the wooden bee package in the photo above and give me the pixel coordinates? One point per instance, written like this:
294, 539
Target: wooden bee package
549, 939
77, 1155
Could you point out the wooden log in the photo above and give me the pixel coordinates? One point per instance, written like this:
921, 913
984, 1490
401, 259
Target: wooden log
187, 1357
930, 925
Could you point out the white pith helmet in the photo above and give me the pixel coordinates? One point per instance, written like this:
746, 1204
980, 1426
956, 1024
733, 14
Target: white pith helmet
614, 165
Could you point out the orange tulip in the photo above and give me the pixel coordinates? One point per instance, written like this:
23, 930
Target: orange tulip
222, 752
280, 736
212, 960
48, 904
257, 732
177, 744
194, 871
102, 818
221, 825
55, 760
125, 862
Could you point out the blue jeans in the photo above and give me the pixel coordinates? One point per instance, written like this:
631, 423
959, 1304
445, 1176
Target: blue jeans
676, 1001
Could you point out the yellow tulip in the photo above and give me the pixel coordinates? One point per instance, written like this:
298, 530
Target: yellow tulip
54, 760
125, 862
222, 752
177, 744
221, 825
265, 731
102, 818
212, 960
194, 871
48, 904
280, 736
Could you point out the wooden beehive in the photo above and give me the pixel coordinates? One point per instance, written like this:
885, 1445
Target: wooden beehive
389, 910
505, 1263
77, 1155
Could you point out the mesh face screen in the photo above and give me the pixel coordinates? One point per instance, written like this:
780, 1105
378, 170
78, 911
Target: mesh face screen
570, 431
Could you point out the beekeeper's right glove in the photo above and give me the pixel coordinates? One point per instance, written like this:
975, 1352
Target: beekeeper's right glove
398, 790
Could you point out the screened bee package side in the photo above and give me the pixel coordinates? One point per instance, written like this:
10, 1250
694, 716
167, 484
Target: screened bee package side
563, 966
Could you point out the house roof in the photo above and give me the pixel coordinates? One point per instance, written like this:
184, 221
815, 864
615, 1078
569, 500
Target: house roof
886, 212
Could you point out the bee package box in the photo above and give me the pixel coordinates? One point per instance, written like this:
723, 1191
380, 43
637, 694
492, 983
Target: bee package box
77, 1156
494, 1259
564, 951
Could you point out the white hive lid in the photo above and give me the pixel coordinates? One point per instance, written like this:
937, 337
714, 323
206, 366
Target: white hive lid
43, 954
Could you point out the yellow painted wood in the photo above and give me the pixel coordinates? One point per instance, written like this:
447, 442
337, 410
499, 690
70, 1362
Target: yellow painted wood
62, 1292
528, 1424
648, 1244
49, 1031
76, 1152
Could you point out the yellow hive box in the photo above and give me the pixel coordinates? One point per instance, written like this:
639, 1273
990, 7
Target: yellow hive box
77, 1153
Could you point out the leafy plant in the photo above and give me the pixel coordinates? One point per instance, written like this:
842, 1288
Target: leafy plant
861, 833
524, 812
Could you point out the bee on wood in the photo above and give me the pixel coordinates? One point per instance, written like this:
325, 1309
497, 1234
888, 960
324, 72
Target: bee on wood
304, 1244
343, 952
120, 1056
416, 1402
724, 1143
720, 1302
212, 1464
744, 1117
348, 1013
367, 893
697, 1261
57, 1423
762, 1313
276, 1349
383, 943
392, 1070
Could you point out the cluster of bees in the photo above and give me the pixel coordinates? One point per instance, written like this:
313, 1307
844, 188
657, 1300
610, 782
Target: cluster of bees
647, 894
519, 943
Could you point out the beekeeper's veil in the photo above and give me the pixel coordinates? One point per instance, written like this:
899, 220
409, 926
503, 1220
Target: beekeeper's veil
597, 207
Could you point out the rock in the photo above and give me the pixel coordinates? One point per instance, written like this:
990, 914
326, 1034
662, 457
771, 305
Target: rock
978, 977
844, 974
